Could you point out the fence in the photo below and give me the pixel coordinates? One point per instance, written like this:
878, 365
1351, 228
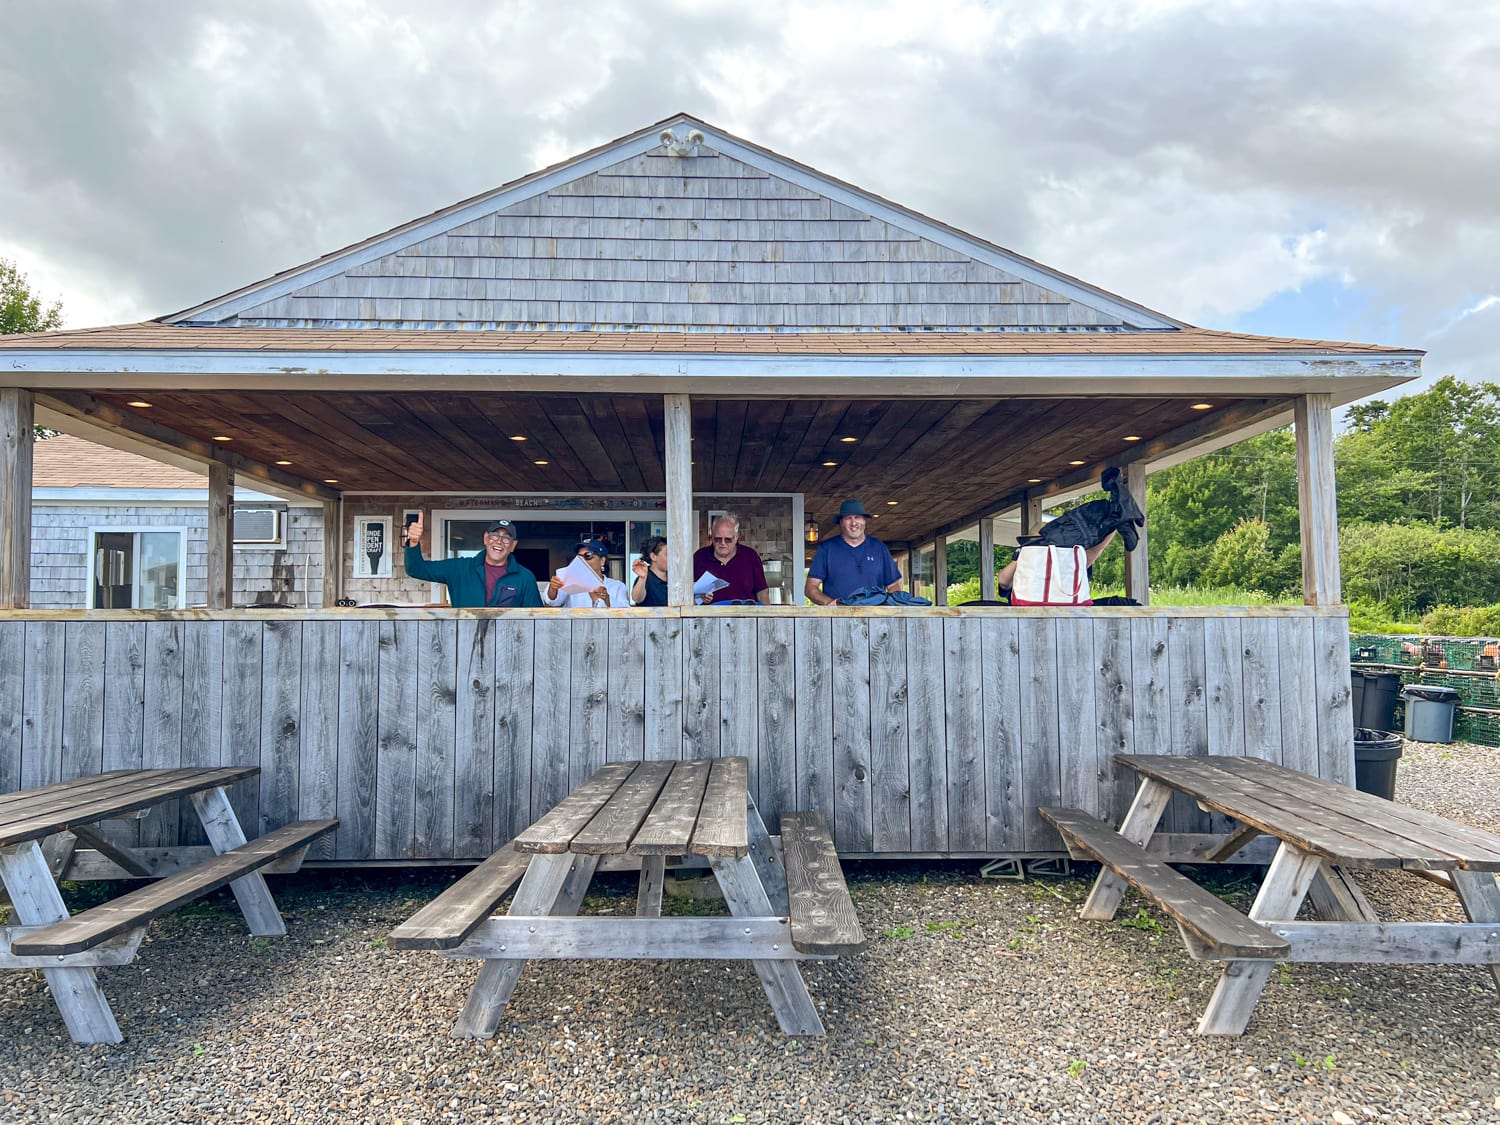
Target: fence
1469, 665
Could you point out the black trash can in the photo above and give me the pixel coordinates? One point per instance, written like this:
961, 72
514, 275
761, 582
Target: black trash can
1377, 709
1429, 712
1375, 756
1356, 695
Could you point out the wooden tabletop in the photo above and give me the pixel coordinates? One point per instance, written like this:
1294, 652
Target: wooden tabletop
31, 814
696, 807
1345, 826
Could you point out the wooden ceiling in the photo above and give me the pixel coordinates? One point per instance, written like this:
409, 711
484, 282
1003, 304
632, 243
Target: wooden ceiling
940, 460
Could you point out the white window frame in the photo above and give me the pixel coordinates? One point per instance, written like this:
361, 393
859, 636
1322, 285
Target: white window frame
95, 530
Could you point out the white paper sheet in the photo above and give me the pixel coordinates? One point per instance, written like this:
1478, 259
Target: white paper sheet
579, 578
707, 583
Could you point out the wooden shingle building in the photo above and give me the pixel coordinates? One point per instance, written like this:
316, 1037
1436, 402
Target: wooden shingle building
674, 324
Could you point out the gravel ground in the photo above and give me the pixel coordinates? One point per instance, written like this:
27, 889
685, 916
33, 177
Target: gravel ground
977, 1000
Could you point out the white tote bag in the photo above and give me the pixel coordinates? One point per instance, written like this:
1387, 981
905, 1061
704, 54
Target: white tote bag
1051, 576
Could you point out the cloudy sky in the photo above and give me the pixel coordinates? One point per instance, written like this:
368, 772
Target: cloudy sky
1312, 168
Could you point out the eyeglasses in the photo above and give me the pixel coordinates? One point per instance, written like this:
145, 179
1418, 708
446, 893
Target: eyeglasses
725, 538
502, 535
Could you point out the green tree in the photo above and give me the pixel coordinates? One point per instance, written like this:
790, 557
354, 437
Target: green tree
21, 310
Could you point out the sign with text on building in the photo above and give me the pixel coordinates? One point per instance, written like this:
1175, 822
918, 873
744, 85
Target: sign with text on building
373, 548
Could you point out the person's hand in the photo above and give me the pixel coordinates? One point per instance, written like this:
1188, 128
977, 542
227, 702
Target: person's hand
554, 586
414, 531
600, 596
708, 597
640, 568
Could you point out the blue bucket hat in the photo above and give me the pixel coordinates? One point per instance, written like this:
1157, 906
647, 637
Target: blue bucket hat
852, 508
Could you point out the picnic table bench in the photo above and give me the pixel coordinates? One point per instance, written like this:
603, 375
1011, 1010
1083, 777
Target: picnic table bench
67, 949
787, 895
1324, 832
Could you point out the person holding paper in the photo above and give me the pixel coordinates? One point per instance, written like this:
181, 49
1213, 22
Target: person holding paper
583, 584
735, 564
490, 577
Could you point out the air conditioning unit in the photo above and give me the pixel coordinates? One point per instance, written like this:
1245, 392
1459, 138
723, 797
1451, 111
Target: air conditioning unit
257, 525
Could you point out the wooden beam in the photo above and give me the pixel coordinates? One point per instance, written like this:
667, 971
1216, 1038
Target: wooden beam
333, 552
678, 455
986, 558
16, 440
940, 570
1137, 565
1031, 514
1321, 581
102, 416
220, 551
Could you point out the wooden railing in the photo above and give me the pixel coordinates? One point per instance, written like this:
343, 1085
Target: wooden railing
437, 734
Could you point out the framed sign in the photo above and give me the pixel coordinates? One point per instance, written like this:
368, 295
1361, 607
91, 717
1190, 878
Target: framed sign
372, 547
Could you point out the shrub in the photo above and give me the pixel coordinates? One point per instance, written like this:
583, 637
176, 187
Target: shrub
1462, 621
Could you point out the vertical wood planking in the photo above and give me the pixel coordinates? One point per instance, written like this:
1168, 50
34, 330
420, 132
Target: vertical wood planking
437, 721
318, 771
359, 756
12, 716
280, 724
396, 739
1005, 813
202, 710
663, 687
890, 743
778, 717
1224, 685
474, 793
123, 710
814, 673
700, 688
239, 744
739, 692
852, 814
1114, 703
42, 703
1081, 778
515, 687
1189, 712
1299, 694
1041, 755
627, 656
927, 732
550, 718
161, 743
589, 694
83, 699
1335, 720
1260, 674
963, 721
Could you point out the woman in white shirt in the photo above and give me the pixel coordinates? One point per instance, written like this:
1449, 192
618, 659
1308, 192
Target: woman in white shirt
610, 594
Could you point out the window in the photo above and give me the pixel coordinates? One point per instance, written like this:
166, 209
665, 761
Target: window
137, 569
258, 525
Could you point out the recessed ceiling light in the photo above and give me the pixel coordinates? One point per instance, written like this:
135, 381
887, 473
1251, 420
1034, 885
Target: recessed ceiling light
1132, 437
1203, 406
829, 464
848, 440
1077, 462
539, 462
221, 437
1033, 480
330, 480
893, 503
518, 437
283, 462
143, 405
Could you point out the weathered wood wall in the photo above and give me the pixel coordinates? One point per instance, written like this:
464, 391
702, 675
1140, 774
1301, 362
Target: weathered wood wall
441, 734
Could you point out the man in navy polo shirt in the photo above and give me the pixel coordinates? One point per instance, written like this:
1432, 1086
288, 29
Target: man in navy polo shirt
850, 561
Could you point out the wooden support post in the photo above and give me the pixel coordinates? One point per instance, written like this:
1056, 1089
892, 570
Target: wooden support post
1321, 582
17, 415
987, 557
678, 451
333, 552
1031, 515
1137, 566
223, 830
798, 595
940, 570
220, 560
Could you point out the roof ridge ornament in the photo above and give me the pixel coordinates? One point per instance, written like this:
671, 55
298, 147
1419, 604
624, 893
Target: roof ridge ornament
687, 145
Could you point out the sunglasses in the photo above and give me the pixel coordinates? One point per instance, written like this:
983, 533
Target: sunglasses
725, 538
586, 556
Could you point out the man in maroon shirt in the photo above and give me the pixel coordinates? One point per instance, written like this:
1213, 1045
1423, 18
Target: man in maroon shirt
727, 558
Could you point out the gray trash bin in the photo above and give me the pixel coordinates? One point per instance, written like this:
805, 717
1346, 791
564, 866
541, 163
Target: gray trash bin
1429, 712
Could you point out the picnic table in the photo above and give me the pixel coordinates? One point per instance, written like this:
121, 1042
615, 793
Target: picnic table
1324, 831
67, 949
787, 894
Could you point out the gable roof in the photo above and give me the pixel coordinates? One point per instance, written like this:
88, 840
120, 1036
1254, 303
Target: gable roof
65, 461
679, 227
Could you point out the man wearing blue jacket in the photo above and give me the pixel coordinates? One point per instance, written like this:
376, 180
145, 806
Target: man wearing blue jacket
488, 578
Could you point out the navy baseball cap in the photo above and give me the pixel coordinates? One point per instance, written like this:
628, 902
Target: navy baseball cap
507, 526
593, 545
